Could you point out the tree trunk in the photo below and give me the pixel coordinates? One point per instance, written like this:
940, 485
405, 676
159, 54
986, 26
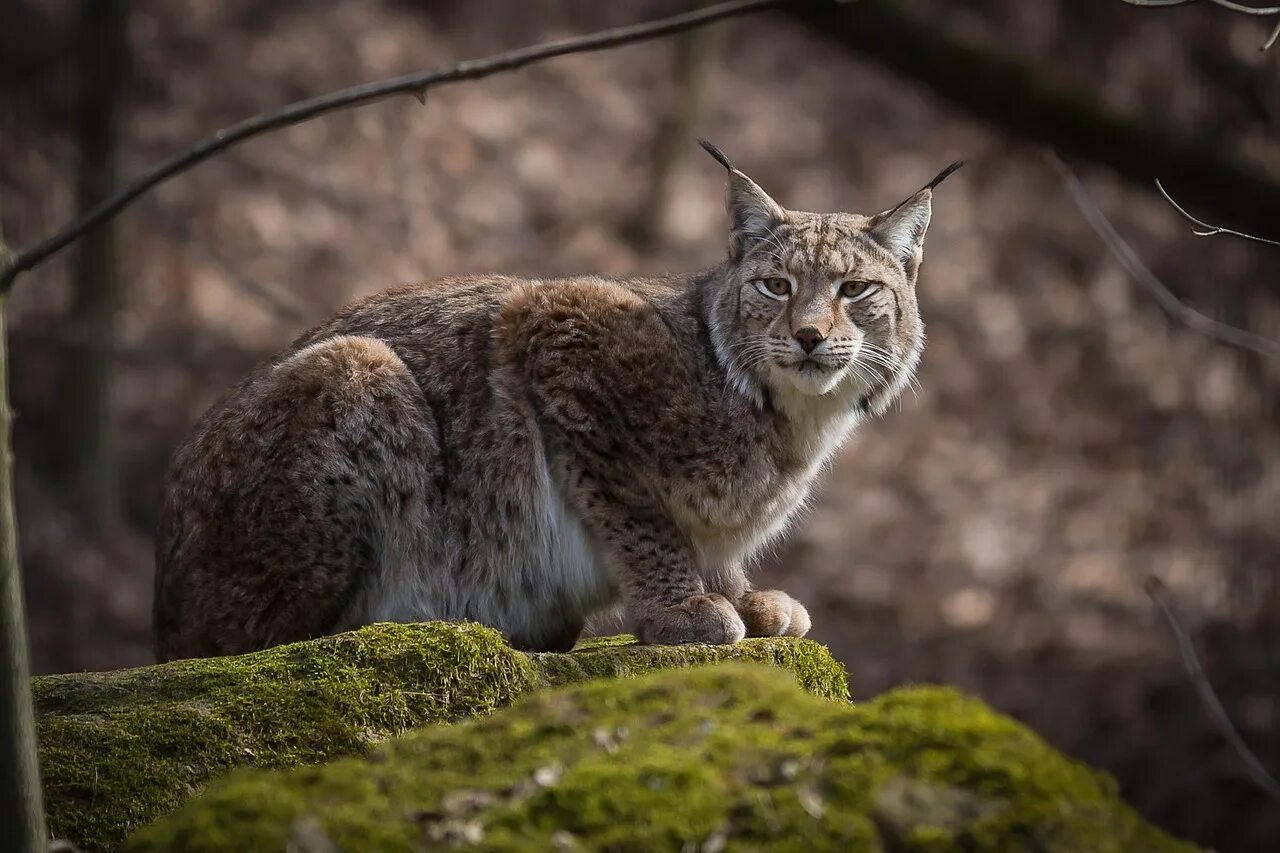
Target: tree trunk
21, 805
90, 334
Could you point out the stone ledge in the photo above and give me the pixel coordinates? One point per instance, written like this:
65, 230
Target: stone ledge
119, 749
724, 757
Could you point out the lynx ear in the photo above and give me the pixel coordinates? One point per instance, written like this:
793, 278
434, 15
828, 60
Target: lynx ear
752, 213
901, 230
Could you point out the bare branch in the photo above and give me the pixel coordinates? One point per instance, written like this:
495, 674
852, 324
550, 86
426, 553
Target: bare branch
1239, 8
415, 84
1229, 5
1207, 230
1164, 297
279, 301
1242, 9
1257, 772
1271, 40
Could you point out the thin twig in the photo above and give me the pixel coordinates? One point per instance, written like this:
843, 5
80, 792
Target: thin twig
1207, 229
1242, 9
1271, 40
1257, 772
1238, 8
1229, 5
1164, 297
415, 84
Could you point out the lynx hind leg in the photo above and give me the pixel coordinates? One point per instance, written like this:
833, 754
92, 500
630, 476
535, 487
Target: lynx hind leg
278, 511
773, 613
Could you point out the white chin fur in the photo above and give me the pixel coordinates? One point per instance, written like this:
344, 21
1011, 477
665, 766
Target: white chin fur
810, 383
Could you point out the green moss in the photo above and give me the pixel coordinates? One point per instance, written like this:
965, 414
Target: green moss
731, 755
119, 749
621, 657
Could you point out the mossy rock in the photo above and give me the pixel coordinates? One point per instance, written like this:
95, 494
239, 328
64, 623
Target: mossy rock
119, 749
730, 757
612, 657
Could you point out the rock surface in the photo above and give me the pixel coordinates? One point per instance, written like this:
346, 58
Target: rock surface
709, 758
119, 749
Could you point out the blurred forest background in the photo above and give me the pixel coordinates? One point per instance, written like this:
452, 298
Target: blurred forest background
993, 532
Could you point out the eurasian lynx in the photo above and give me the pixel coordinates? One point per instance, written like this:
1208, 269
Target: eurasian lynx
524, 453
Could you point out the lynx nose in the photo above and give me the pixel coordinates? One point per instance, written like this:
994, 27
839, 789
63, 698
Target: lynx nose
809, 337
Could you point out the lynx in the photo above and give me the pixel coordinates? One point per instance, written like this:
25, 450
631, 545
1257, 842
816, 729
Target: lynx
526, 453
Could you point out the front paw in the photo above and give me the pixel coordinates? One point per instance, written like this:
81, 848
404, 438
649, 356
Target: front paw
698, 619
773, 613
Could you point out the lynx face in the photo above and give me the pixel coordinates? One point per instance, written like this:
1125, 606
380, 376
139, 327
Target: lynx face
816, 304
823, 305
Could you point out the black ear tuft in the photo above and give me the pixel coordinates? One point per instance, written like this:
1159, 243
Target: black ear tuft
944, 174
716, 153
929, 187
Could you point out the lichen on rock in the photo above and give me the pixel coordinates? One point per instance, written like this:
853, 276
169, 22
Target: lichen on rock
723, 757
119, 749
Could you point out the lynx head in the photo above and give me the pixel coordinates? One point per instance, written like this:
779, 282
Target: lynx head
813, 304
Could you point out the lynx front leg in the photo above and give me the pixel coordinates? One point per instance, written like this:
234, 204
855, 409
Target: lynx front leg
611, 383
667, 602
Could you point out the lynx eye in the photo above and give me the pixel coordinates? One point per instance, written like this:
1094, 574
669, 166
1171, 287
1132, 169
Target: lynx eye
776, 287
856, 290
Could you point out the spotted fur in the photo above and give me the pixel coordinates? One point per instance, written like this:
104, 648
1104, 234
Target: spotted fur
526, 453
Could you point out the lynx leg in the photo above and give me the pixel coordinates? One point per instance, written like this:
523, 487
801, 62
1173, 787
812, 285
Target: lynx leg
276, 512
667, 602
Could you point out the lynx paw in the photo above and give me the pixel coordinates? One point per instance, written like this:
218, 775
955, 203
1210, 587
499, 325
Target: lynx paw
773, 613
698, 619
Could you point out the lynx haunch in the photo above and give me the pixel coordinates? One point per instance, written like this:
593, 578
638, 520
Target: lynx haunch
526, 453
